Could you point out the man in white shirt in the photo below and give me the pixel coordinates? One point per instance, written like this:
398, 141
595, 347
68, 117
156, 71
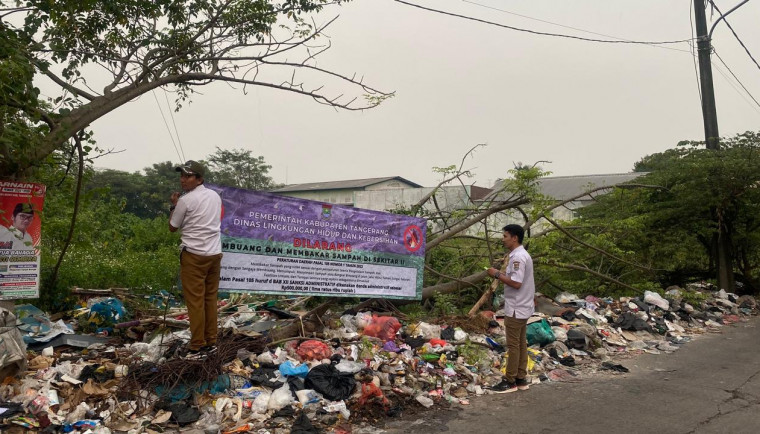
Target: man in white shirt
17, 237
519, 292
197, 212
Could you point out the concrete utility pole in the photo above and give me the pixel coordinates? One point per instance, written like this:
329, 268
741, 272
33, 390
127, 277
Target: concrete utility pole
721, 245
704, 46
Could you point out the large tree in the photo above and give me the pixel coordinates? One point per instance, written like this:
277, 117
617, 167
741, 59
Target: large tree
672, 234
142, 45
239, 168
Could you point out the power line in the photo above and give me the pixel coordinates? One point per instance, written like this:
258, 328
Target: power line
171, 136
569, 27
733, 86
171, 112
735, 35
607, 41
736, 78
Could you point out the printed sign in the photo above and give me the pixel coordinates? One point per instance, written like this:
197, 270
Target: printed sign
282, 245
20, 208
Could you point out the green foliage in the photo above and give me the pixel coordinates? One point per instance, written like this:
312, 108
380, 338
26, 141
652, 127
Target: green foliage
668, 230
472, 353
142, 45
445, 304
239, 168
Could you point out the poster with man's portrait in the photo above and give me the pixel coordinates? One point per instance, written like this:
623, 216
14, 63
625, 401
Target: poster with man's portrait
20, 234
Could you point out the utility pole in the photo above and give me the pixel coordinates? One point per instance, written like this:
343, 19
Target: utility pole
704, 46
721, 244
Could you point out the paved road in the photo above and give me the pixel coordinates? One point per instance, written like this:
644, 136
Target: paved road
710, 385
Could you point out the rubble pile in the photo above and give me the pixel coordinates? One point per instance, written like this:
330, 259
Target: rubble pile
347, 375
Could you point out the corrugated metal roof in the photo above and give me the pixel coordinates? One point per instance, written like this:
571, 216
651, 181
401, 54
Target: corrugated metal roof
341, 185
565, 187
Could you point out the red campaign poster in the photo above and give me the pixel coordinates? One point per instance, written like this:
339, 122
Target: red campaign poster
21, 205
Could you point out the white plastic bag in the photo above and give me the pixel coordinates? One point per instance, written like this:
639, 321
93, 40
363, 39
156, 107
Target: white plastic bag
307, 396
350, 367
261, 403
656, 299
280, 398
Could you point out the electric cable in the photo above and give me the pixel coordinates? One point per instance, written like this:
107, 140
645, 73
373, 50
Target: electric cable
734, 32
171, 136
566, 26
176, 132
735, 77
559, 35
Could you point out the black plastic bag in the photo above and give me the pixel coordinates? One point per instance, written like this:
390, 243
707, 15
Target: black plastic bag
184, 414
447, 334
303, 425
333, 384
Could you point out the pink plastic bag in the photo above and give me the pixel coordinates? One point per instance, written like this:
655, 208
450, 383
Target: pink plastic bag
383, 327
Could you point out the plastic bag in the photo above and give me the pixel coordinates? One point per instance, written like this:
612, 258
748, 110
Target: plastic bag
383, 327
560, 334
261, 403
369, 391
288, 370
427, 331
280, 398
331, 383
349, 322
363, 319
349, 367
656, 299
539, 332
314, 350
307, 396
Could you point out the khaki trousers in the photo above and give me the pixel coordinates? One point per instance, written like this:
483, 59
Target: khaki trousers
517, 346
200, 285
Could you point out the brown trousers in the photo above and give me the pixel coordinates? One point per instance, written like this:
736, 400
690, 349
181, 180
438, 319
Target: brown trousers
200, 285
517, 346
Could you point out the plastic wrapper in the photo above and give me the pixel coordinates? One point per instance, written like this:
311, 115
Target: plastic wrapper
307, 396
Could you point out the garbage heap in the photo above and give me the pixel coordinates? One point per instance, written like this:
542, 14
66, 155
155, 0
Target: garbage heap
356, 369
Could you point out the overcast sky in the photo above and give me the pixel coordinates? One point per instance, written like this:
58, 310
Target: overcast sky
586, 107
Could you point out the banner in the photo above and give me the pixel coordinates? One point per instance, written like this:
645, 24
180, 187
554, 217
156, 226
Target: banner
282, 245
20, 208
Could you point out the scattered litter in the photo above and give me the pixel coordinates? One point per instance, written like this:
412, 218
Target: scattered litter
336, 373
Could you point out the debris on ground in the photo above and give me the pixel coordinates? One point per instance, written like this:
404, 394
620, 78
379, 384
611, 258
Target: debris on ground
96, 372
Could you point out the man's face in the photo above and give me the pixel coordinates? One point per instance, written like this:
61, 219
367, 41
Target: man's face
510, 241
189, 182
22, 221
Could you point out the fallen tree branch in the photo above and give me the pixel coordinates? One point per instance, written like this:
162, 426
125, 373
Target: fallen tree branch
596, 249
595, 273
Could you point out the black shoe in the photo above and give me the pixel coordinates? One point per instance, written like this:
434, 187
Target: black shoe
195, 355
208, 349
522, 383
505, 387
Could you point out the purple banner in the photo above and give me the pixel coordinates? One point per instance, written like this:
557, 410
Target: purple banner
309, 224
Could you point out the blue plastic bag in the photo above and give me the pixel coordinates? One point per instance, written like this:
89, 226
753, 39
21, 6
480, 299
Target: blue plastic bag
288, 370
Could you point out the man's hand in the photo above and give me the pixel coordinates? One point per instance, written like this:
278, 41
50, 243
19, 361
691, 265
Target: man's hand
175, 198
493, 272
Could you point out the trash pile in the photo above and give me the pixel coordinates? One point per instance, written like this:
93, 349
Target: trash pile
344, 372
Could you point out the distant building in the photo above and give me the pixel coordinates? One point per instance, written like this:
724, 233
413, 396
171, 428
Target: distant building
343, 192
564, 188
